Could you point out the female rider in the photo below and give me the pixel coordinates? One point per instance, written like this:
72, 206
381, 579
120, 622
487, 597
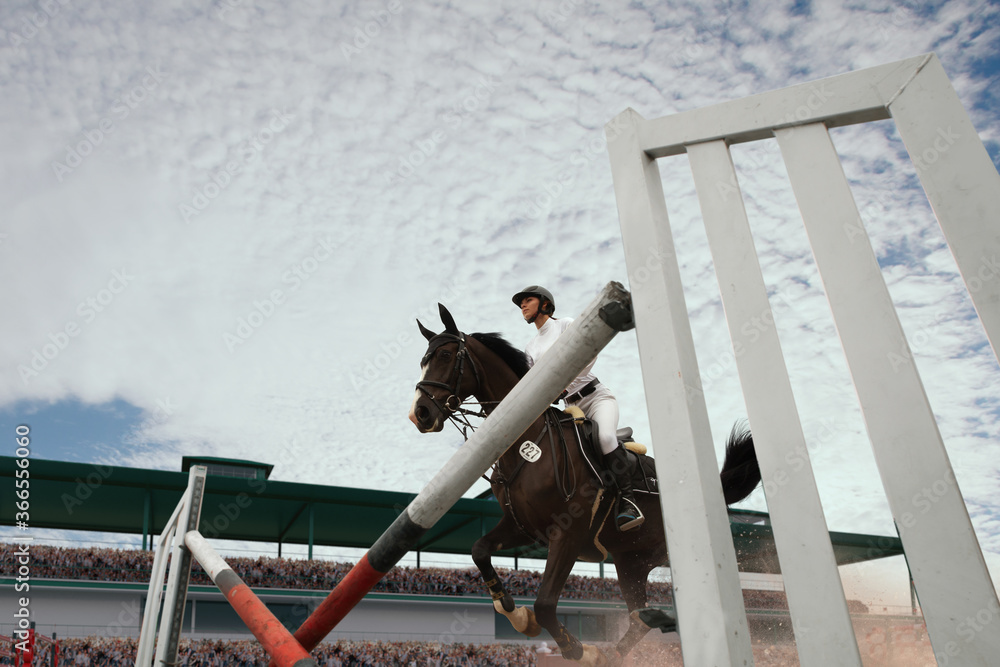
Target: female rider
586, 392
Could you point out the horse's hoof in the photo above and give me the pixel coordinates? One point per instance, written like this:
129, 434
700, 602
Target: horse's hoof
522, 619
533, 629
593, 657
655, 618
573, 650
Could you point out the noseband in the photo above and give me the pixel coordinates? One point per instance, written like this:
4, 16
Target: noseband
452, 405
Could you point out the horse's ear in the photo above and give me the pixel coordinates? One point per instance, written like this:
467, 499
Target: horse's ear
447, 320
428, 334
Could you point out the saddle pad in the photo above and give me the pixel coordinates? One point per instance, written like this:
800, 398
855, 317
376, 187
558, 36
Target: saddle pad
644, 479
643, 468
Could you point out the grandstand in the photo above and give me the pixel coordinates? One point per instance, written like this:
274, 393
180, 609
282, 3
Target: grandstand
101, 592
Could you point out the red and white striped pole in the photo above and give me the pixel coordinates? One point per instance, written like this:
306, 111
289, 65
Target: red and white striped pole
608, 314
284, 650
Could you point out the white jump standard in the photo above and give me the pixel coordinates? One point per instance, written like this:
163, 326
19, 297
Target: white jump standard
947, 565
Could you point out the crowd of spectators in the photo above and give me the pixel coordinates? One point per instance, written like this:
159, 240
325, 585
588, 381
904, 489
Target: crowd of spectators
134, 565
121, 652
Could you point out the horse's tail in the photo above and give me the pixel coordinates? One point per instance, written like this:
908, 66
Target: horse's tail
740, 471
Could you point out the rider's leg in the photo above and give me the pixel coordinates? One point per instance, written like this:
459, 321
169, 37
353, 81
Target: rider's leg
628, 515
601, 407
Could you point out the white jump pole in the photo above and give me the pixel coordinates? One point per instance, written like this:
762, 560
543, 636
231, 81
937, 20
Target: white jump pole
608, 314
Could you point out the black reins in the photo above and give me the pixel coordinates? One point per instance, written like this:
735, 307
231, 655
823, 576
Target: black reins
452, 408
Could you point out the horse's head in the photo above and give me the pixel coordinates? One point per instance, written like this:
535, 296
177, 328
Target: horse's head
449, 376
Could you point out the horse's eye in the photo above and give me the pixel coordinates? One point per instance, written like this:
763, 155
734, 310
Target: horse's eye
445, 355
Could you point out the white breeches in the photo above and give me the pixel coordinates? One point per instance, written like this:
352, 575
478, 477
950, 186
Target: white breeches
601, 407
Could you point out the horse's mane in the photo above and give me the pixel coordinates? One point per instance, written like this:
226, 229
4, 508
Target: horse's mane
512, 356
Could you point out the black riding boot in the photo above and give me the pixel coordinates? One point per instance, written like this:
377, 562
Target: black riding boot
627, 513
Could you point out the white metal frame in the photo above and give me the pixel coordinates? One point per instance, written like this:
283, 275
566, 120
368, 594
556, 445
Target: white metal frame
963, 187
185, 518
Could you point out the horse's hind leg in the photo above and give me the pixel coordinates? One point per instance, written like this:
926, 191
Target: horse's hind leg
633, 570
505, 534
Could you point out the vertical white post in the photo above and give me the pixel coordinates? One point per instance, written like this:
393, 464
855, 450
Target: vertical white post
151, 612
941, 548
963, 187
823, 631
961, 183
710, 611
172, 618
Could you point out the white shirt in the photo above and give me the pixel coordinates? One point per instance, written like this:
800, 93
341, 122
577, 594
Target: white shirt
546, 337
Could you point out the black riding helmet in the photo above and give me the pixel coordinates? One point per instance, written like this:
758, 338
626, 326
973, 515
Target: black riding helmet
542, 294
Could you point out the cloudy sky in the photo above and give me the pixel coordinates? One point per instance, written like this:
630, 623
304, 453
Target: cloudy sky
221, 220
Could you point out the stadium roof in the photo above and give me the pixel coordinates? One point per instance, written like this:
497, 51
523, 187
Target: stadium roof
91, 497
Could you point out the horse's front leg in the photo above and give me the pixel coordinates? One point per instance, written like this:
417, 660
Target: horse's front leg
505, 534
562, 555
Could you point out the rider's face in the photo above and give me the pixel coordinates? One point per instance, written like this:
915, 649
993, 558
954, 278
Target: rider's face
529, 307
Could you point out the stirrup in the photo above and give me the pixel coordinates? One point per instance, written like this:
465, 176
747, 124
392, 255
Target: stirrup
627, 519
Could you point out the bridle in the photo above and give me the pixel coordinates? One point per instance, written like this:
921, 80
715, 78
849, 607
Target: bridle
453, 409
452, 405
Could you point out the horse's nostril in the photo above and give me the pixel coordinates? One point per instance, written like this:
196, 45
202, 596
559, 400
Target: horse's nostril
422, 413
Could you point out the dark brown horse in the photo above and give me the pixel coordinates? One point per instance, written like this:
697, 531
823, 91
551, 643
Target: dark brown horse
550, 494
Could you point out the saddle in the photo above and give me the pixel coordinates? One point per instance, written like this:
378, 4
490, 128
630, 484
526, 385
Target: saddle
643, 468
